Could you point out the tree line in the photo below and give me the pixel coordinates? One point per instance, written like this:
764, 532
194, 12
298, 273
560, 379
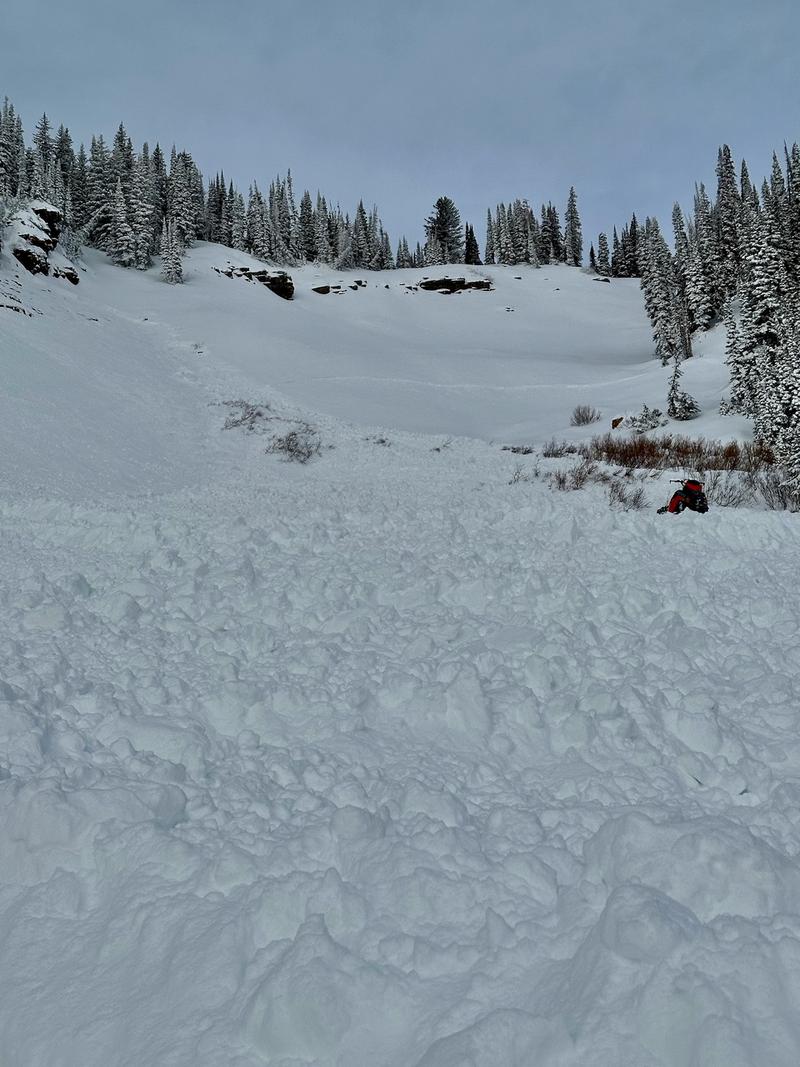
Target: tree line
737, 259
132, 205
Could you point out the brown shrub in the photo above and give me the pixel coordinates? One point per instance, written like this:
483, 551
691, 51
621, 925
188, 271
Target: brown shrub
671, 451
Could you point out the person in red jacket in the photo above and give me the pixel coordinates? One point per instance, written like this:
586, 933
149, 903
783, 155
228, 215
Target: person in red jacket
690, 496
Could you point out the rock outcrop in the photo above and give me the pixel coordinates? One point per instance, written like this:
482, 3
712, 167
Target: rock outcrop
277, 281
33, 237
454, 285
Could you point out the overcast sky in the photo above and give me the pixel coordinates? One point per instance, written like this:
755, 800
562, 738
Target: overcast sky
401, 101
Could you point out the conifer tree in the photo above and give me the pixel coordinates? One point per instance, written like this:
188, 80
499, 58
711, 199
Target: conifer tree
727, 222
663, 303
404, 257
307, 236
603, 263
10, 149
322, 231
98, 195
472, 253
741, 367
141, 209
42, 186
555, 234
504, 252
345, 256
488, 253
171, 251
121, 160
545, 244
160, 185
631, 251
573, 236
181, 206
360, 238
122, 244
618, 265
444, 243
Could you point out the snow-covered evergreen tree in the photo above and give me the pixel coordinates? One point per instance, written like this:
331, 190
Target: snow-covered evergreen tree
181, 203
664, 304
573, 235
12, 149
741, 367
121, 244
141, 209
42, 186
322, 242
488, 252
444, 242
171, 252
433, 252
99, 195
680, 405
238, 223
603, 262
360, 239
307, 235
345, 257
727, 214
404, 257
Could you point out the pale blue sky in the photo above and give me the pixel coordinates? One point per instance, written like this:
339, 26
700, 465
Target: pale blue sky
400, 101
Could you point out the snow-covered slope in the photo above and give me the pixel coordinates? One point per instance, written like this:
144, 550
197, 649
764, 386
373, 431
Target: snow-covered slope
380, 759
105, 371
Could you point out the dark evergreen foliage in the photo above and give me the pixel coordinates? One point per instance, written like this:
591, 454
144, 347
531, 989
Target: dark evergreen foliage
472, 253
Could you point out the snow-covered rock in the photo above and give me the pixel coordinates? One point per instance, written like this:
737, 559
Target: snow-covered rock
32, 234
277, 281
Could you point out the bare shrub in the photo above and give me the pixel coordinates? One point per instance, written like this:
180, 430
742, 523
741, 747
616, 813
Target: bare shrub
584, 415
671, 451
298, 445
577, 477
250, 417
557, 449
583, 474
518, 450
524, 474
626, 498
727, 490
773, 488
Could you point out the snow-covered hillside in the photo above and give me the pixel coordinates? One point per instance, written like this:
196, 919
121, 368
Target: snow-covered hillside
397, 757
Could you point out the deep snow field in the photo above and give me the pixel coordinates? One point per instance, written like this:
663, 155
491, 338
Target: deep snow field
394, 758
